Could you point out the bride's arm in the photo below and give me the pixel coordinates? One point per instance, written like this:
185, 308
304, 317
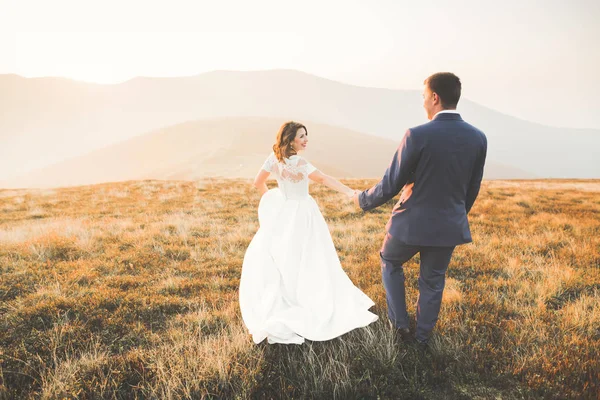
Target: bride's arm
331, 182
260, 182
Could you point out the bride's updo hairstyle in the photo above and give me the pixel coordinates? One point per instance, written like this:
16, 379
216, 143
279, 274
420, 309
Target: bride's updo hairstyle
286, 135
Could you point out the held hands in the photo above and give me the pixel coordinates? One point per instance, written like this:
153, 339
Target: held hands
354, 197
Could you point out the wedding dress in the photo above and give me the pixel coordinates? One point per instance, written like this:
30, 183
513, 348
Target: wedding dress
292, 285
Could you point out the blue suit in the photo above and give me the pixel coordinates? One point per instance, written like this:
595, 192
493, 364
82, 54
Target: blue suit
442, 162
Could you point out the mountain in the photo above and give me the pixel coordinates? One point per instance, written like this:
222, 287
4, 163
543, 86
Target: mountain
226, 147
45, 120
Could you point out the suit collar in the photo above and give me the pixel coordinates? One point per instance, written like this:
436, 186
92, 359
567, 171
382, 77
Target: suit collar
447, 117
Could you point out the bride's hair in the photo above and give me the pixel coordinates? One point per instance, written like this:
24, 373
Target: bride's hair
286, 135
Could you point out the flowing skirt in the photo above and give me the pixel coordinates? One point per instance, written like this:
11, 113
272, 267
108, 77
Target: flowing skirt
292, 285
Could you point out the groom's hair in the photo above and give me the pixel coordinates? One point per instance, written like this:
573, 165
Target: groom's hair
447, 86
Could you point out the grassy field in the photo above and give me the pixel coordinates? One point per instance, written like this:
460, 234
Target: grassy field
129, 290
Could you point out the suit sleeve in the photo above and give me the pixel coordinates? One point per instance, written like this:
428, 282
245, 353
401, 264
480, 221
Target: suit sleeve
399, 171
476, 178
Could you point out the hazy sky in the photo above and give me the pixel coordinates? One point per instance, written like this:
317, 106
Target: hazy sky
537, 60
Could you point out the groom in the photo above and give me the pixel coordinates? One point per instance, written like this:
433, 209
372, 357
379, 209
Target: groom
440, 166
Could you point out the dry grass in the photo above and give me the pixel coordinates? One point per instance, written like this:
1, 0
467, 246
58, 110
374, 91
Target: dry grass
129, 290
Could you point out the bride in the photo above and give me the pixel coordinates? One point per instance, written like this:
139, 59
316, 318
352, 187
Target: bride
292, 285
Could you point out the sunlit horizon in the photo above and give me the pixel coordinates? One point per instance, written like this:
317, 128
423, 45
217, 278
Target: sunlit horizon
536, 61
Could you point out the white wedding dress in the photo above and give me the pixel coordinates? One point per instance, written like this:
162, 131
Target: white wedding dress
292, 285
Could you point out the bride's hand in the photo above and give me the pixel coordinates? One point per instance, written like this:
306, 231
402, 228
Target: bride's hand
354, 193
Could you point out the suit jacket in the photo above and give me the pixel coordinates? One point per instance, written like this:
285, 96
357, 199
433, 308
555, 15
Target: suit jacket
443, 160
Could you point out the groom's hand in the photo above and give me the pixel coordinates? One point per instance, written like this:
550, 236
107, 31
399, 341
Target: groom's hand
355, 198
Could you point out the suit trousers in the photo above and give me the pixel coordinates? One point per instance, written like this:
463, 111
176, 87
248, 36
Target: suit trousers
432, 277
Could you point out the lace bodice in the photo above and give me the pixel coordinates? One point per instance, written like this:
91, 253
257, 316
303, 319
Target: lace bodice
291, 175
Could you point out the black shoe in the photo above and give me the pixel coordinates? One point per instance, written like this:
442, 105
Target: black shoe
405, 335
